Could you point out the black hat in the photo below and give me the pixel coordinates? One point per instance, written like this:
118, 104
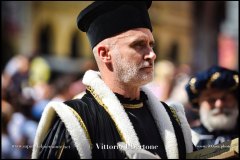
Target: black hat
214, 77
104, 19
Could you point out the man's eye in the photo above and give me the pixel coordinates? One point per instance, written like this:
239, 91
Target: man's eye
153, 45
211, 100
140, 44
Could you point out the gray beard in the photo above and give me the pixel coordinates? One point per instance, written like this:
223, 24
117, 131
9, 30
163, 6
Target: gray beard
224, 121
129, 72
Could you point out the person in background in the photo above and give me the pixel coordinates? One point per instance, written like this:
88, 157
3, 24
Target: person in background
178, 93
117, 117
163, 81
6, 140
214, 92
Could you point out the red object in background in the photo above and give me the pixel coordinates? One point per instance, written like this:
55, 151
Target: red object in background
227, 52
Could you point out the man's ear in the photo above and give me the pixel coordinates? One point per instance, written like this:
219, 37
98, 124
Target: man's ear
104, 54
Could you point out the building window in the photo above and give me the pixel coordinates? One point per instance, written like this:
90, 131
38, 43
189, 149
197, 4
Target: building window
76, 45
45, 40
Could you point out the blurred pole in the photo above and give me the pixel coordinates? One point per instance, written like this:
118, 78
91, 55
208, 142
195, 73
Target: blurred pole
228, 37
208, 15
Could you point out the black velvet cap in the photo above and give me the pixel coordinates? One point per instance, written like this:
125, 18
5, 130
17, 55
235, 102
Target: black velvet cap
215, 77
104, 19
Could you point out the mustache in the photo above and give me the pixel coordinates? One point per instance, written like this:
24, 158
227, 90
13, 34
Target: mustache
146, 64
226, 111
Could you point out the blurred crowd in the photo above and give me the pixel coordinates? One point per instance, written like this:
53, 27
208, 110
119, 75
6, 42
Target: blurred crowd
169, 84
28, 84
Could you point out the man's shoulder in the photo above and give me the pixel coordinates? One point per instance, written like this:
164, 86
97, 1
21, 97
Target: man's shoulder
176, 109
82, 102
84, 105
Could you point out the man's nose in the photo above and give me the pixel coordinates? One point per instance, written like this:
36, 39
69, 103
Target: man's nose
151, 55
219, 103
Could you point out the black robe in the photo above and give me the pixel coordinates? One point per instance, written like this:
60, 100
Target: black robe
103, 133
207, 138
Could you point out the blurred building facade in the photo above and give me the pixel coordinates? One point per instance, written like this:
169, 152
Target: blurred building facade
185, 31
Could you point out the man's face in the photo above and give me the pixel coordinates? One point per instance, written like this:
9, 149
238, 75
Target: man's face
218, 109
133, 56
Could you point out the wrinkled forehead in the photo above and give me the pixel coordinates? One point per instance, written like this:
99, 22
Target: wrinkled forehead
214, 92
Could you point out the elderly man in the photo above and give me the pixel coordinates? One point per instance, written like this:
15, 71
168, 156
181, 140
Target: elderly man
116, 117
215, 92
